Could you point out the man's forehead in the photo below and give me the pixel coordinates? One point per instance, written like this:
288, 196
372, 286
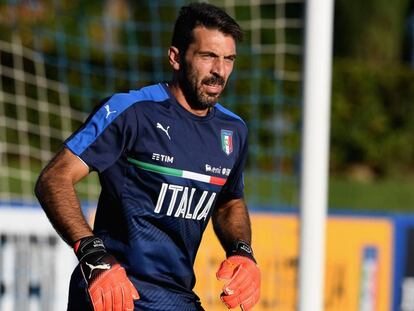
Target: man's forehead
213, 38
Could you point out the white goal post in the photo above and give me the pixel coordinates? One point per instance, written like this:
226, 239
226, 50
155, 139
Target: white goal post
315, 152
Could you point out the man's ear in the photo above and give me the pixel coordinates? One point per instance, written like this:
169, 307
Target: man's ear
174, 57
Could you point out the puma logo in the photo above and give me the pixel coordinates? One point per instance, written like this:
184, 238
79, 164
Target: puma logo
104, 266
108, 111
159, 126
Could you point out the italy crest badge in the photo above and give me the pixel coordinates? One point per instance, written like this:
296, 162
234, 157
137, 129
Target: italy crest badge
227, 141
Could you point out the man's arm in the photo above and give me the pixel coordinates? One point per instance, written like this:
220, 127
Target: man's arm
240, 272
231, 222
108, 284
56, 193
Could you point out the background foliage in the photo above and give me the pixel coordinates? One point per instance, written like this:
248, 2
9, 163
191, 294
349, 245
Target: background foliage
373, 90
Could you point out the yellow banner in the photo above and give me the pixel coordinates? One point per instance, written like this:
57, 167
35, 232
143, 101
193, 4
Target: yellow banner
358, 264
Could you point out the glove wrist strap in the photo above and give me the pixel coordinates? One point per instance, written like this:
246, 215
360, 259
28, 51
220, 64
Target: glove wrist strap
87, 246
241, 248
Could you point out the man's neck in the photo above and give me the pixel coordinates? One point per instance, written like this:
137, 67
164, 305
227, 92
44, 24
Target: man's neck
177, 92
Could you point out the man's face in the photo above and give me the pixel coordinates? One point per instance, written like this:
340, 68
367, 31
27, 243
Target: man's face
207, 65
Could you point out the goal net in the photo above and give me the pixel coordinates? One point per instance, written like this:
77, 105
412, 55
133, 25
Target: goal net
58, 59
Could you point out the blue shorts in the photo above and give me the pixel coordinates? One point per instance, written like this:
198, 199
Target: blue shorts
152, 298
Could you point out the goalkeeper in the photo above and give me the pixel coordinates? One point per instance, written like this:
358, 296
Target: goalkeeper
169, 158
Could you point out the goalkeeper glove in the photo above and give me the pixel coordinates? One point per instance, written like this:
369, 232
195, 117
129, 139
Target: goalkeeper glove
242, 276
108, 285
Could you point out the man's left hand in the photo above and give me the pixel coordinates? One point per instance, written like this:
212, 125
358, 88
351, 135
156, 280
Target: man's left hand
242, 277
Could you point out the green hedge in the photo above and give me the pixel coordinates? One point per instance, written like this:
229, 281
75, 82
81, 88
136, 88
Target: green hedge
372, 119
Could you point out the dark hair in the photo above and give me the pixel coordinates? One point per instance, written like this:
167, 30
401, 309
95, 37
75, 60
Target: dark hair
202, 14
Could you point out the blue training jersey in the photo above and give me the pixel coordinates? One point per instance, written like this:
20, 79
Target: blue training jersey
162, 170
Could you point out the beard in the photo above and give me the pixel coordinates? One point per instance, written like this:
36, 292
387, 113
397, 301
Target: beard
193, 88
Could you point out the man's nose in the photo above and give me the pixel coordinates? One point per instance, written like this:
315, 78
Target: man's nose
218, 67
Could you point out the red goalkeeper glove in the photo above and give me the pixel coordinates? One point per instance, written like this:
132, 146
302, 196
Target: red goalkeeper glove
242, 276
108, 285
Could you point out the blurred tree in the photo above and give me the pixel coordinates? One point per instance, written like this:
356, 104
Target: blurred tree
372, 118
372, 90
370, 30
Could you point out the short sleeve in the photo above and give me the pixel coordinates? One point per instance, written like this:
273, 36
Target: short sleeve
106, 134
234, 186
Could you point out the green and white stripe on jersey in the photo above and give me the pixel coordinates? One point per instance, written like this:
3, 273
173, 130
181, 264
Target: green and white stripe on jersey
178, 173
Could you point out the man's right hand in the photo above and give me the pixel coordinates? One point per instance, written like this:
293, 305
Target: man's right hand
108, 285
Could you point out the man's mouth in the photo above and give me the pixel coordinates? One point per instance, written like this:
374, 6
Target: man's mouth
213, 85
213, 88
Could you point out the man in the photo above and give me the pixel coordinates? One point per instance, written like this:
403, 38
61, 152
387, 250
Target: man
169, 157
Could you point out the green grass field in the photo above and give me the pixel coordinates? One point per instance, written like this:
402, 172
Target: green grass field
390, 195
385, 195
